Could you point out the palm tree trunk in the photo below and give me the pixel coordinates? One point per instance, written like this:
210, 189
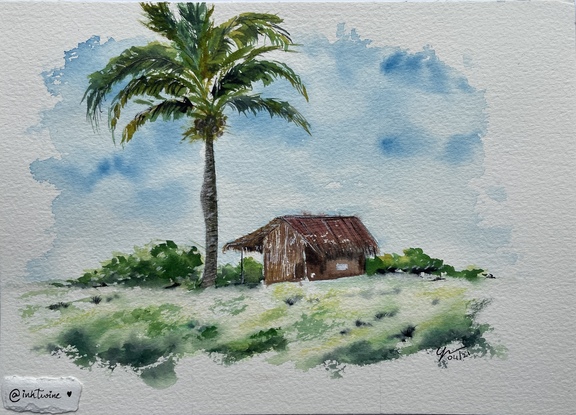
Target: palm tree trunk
209, 201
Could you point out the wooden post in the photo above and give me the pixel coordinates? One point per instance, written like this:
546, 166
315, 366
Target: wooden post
242, 266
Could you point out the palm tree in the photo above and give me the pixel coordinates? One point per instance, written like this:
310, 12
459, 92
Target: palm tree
200, 72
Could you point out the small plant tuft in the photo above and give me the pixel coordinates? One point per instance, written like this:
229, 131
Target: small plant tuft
115, 296
406, 333
293, 300
96, 299
383, 314
58, 306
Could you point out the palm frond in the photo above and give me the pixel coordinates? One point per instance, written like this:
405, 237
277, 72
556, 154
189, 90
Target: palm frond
193, 33
248, 28
195, 17
245, 74
133, 62
254, 104
168, 110
153, 86
160, 19
244, 54
219, 47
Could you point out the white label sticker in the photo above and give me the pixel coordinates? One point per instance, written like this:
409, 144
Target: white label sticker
43, 395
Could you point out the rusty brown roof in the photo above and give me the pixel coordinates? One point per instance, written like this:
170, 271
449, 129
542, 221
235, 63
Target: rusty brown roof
328, 235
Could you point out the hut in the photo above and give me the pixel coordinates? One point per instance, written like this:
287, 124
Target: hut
317, 247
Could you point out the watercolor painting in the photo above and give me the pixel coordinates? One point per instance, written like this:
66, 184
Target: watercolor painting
234, 188
184, 94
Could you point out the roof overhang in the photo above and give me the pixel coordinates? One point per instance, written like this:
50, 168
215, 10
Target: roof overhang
350, 237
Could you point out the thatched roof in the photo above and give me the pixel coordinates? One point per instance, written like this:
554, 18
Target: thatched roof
329, 236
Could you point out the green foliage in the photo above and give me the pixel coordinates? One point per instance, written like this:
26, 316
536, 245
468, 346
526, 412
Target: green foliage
331, 325
232, 307
156, 265
310, 327
142, 339
362, 353
201, 69
260, 342
470, 274
256, 103
29, 311
459, 328
161, 375
232, 274
415, 261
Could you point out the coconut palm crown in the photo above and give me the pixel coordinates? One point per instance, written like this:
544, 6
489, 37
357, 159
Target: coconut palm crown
202, 70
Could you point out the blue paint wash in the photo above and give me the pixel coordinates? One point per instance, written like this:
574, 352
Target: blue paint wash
462, 148
497, 193
426, 71
389, 126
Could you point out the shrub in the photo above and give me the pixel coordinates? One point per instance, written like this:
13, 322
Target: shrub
263, 341
232, 274
470, 274
415, 261
154, 265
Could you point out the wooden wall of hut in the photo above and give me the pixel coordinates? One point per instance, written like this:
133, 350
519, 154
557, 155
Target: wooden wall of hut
284, 258
334, 268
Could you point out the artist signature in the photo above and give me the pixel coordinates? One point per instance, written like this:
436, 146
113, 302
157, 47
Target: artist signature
444, 354
16, 394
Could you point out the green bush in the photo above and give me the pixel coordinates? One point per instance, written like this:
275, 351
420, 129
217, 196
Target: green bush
232, 274
471, 274
257, 343
155, 265
415, 261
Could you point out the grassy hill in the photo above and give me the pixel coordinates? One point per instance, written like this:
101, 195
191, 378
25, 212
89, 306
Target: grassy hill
350, 321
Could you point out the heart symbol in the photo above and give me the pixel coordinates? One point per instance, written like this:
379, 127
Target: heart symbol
69, 393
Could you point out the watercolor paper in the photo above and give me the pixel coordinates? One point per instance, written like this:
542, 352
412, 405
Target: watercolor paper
290, 208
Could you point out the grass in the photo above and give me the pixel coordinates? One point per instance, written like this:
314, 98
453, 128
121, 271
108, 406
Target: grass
350, 321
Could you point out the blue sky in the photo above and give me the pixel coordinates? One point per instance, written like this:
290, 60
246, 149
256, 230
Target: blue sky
396, 139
